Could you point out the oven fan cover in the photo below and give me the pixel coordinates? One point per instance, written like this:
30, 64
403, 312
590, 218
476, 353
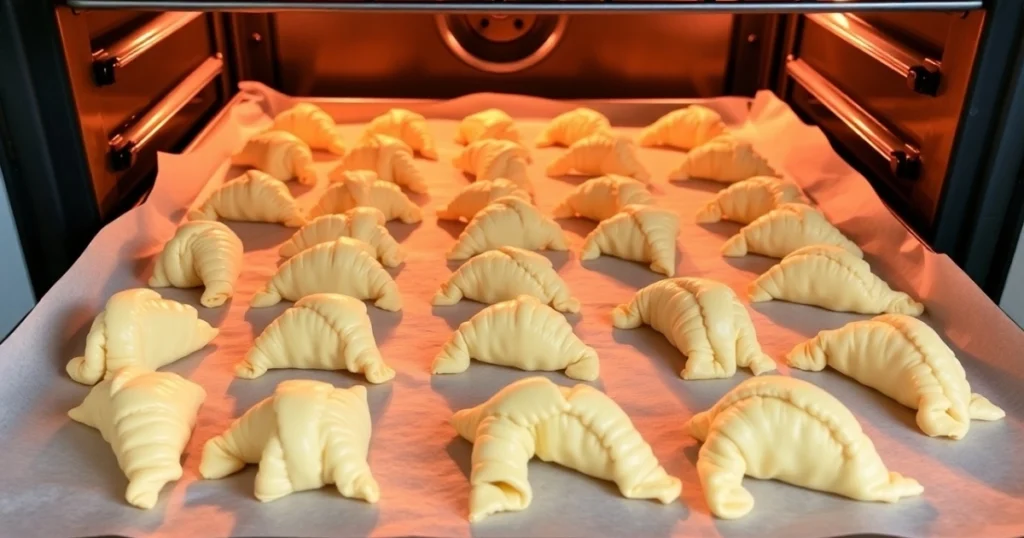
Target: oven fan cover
501, 43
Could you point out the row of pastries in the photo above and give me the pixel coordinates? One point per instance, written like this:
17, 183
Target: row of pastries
790, 429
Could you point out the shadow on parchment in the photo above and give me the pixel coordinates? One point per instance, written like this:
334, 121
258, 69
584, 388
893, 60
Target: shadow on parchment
451, 227
572, 179
579, 226
400, 230
634, 274
482, 380
703, 185
756, 265
723, 228
260, 235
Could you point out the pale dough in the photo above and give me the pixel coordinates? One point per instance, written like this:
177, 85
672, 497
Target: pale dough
361, 188
201, 253
311, 125
640, 233
487, 124
600, 154
390, 158
493, 159
407, 126
476, 196
508, 221
745, 201
253, 197
365, 224
280, 154
570, 127
684, 129
602, 197
785, 229
724, 159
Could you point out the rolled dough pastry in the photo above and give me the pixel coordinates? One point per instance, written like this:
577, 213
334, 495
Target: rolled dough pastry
253, 197
487, 124
602, 197
365, 224
640, 233
361, 188
493, 159
724, 159
747, 200
600, 154
508, 222
390, 158
279, 154
477, 196
785, 229
311, 125
685, 128
570, 127
201, 253
407, 126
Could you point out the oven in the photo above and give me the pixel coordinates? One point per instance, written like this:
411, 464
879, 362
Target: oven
924, 98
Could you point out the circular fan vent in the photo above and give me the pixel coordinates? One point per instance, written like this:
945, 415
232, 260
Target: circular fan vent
501, 43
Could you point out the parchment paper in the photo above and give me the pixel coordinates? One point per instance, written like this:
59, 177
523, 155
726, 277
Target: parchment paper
59, 478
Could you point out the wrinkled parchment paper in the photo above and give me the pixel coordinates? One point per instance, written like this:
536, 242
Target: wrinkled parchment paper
59, 478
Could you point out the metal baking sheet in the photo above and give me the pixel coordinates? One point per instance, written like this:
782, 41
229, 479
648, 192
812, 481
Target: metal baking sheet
59, 478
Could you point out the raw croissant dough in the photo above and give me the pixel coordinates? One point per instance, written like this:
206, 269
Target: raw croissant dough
280, 154
522, 333
407, 126
308, 434
785, 229
254, 197
323, 331
511, 222
201, 253
600, 154
493, 159
704, 320
138, 328
365, 224
570, 127
362, 189
640, 233
904, 359
832, 278
506, 273
147, 417
685, 128
487, 124
477, 196
580, 428
747, 200
312, 125
724, 159
786, 429
346, 266
390, 158
602, 197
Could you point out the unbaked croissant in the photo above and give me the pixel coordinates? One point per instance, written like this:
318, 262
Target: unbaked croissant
704, 320
492, 159
139, 328
504, 274
786, 229
407, 126
201, 253
323, 331
685, 128
570, 127
580, 428
252, 196
492, 123
280, 154
904, 359
477, 196
365, 224
362, 189
390, 158
782, 428
522, 333
832, 278
747, 200
308, 434
640, 233
724, 159
511, 222
602, 197
147, 417
311, 125
600, 154
345, 266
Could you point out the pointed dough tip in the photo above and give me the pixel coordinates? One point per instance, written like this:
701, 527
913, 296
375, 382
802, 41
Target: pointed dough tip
263, 299
710, 213
735, 247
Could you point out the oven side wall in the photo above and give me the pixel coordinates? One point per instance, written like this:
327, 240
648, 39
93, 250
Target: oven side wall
16, 297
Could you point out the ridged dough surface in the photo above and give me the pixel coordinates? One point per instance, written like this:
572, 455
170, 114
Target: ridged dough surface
570, 127
745, 201
489, 159
492, 123
640, 233
361, 188
724, 159
389, 157
508, 222
279, 154
407, 126
364, 224
600, 154
786, 229
684, 129
312, 125
253, 197
201, 253
602, 197
478, 195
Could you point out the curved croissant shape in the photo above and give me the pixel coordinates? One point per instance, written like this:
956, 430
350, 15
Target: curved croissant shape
522, 333
723, 159
493, 159
786, 429
600, 154
362, 189
704, 320
685, 128
785, 229
639, 233
508, 222
323, 331
280, 154
407, 126
365, 224
904, 359
307, 435
138, 328
747, 200
504, 274
311, 125
253, 197
831, 278
201, 253
479, 195
492, 123
346, 266
147, 417
602, 197
570, 127
580, 428
390, 158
